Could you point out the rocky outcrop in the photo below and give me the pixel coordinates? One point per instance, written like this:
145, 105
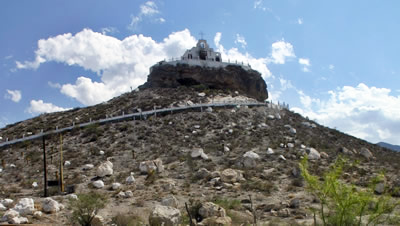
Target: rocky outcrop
164, 215
231, 77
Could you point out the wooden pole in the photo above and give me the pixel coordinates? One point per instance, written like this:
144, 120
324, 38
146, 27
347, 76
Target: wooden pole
44, 168
61, 165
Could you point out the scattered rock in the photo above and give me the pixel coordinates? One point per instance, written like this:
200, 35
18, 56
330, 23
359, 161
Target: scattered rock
98, 184
149, 166
49, 205
2, 207
201, 94
105, 169
271, 117
282, 157
324, 155
88, 167
25, 206
34, 184
67, 163
210, 209
116, 186
196, 126
7, 202
313, 154
293, 131
226, 149
128, 194
101, 152
164, 215
37, 214
366, 153
19, 220
167, 184
170, 201
345, 151
270, 151
203, 173
218, 221
9, 214
198, 152
231, 176
130, 179
294, 203
380, 188
250, 159
209, 109
290, 145
72, 196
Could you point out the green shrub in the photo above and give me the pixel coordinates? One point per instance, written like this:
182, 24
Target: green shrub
344, 204
86, 207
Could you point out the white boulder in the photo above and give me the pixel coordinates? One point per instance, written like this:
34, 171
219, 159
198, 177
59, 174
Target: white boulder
37, 214
270, 151
25, 206
2, 207
105, 169
19, 220
115, 186
165, 215
313, 154
198, 152
50, 205
101, 152
7, 202
72, 196
130, 179
88, 167
98, 184
34, 184
67, 163
250, 159
9, 214
226, 149
282, 157
366, 153
149, 166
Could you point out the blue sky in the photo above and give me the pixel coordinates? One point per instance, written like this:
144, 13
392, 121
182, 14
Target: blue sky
333, 61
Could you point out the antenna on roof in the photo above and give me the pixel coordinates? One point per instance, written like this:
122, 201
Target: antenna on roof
201, 34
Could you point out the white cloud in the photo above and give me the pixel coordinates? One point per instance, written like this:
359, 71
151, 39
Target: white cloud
240, 40
14, 95
366, 112
121, 64
109, 30
258, 5
234, 55
305, 63
331, 67
147, 10
300, 21
54, 85
38, 107
281, 51
285, 84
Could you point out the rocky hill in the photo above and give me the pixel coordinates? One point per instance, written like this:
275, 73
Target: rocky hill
231, 77
227, 164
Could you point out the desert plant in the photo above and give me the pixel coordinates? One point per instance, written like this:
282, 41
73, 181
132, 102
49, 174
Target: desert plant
344, 204
85, 208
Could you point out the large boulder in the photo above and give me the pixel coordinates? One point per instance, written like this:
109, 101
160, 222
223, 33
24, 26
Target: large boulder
198, 152
50, 205
231, 77
250, 159
7, 202
231, 176
98, 184
25, 206
218, 221
105, 169
366, 153
313, 154
164, 215
146, 167
9, 214
210, 209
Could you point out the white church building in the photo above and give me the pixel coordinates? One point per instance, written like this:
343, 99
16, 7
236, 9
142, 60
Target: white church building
202, 55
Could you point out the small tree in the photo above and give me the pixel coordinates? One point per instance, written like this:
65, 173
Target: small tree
86, 207
344, 204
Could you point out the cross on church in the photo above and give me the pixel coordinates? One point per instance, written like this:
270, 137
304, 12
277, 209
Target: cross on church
201, 34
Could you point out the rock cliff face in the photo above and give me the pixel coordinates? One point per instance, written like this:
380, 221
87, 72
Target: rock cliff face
232, 77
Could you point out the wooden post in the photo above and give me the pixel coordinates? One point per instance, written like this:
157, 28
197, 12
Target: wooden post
61, 165
44, 168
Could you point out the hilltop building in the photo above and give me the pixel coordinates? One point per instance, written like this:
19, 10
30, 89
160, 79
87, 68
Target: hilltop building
202, 55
